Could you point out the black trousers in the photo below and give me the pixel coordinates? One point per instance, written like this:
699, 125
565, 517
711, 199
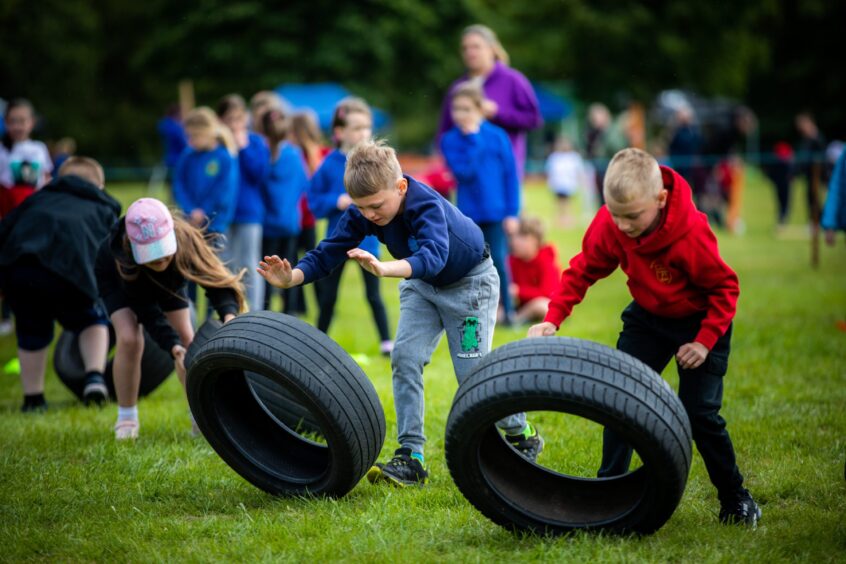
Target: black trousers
286, 248
654, 340
328, 295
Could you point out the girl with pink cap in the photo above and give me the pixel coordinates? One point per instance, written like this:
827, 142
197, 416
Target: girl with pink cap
143, 269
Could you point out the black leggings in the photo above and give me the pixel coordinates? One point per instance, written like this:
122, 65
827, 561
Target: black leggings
329, 295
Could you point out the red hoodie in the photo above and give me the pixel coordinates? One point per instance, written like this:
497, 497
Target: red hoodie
675, 271
535, 278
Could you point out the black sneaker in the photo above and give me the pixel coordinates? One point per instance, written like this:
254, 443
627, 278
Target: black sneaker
95, 390
529, 443
740, 509
37, 406
401, 470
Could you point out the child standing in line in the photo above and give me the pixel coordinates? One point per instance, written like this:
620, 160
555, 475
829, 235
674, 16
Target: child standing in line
285, 186
352, 124
205, 182
534, 270
565, 174
142, 271
450, 286
480, 157
834, 212
685, 297
305, 134
47, 249
253, 164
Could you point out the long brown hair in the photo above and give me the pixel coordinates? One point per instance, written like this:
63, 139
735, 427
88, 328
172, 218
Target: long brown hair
305, 133
195, 260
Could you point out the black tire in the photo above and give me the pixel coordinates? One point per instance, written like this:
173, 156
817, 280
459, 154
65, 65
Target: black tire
156, 365
273, 397
317, 373
585, 379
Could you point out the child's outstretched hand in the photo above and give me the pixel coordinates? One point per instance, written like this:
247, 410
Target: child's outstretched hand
277, 272
545, 329
367, 261
691, 355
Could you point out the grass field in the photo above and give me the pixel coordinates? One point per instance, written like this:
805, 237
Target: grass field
69, 492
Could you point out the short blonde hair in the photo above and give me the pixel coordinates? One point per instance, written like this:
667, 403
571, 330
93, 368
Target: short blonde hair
471, 91
372, 166
631, 174
86, 168
532, 226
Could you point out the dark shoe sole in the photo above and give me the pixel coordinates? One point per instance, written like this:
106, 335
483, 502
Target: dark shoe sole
95, 393
375, 475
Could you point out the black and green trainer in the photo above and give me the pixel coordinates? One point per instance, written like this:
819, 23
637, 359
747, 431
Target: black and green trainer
402, 470
529, 443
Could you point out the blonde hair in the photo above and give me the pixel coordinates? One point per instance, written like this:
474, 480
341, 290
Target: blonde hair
305, 133
486, 33
204, 119
469, 90
85, 168
632, 173
195, 260
372, 166
531, 225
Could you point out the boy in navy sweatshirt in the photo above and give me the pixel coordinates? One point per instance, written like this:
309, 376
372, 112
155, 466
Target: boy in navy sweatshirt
450, 286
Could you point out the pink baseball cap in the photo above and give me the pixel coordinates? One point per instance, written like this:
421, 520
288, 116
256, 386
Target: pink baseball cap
149, 226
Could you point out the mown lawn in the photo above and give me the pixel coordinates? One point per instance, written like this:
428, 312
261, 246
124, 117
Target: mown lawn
69, 492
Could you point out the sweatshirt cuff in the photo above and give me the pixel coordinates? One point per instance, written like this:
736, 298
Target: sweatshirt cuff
707, 337
554, 317
417, 267
226, 309
308, 273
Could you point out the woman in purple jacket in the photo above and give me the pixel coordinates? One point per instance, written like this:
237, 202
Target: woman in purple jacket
510, 100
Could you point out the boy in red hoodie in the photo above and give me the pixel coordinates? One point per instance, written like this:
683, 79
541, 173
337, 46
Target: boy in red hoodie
684, 301
534, 271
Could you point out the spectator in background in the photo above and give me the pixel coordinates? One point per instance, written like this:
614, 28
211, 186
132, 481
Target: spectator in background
534, 269
780, 173
565, 174
598, 144
305, 134
834, 214
262, 102
62, 150
685, 149
173, 137
245, 232
810, 161
510, 101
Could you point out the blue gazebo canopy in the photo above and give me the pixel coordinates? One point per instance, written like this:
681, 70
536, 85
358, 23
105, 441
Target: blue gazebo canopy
552, 106
322, 98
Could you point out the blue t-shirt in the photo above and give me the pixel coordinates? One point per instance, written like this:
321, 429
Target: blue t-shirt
440, 243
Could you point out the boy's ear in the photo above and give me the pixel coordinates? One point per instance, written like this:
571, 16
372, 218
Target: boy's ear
662, 198
402, 185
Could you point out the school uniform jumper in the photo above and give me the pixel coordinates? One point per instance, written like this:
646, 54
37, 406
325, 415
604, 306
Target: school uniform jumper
285, 186
453, 288
207, 180
488, 189
326, 186
683, 292
536, 277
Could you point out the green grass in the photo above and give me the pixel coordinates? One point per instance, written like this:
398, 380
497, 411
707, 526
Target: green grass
69, 492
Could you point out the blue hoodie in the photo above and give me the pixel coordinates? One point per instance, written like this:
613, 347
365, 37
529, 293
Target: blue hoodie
207, 180
284, 186
325, 188
439, 243
253, 163
834, 212
484, 167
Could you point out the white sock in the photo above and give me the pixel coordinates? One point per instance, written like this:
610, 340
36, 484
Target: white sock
128, 413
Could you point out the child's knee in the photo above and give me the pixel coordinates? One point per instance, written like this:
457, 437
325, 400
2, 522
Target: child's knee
131, 341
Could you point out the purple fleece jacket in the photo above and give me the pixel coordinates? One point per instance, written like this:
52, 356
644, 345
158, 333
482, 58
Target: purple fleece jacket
518, 108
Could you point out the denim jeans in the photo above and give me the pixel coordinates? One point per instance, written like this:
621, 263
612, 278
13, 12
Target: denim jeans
244, 249
466, 311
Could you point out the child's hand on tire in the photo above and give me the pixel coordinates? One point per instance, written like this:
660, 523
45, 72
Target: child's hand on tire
545, 329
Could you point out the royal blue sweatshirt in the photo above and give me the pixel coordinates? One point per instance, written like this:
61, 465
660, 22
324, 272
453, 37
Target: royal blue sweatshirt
284, 186
207, 180
253, 163
325, 188
440, 243
483, 166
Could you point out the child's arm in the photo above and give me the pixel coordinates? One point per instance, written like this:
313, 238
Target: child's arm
387, 269
180, 190
595, 262
511, 180
462, 154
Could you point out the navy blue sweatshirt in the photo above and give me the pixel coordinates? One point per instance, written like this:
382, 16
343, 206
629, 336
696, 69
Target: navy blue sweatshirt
284, 187
327, 185
484, 167
207, 180
439, 242
253, 163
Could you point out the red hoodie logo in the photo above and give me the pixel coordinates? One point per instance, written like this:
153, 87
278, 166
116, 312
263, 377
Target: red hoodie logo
661, 273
